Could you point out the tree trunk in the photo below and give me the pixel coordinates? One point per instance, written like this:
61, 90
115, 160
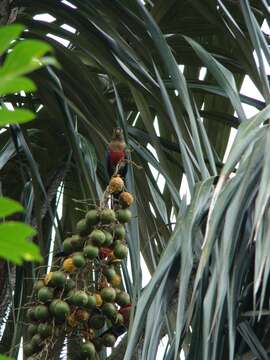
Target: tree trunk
4, 11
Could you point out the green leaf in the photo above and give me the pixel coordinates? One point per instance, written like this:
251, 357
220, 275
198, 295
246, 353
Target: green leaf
247, 132
18, 116
222, 75
252, 340
8, 34
160, 204
2, 357
183, 230
14, 245
25, 57
9, 206
10, 86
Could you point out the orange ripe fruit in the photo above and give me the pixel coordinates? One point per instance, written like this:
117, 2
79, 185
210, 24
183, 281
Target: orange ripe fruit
116, 184
126, 199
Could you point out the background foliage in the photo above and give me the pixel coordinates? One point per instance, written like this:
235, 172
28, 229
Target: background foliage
209, 287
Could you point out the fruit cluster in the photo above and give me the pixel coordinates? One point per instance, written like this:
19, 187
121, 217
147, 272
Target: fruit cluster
83, 297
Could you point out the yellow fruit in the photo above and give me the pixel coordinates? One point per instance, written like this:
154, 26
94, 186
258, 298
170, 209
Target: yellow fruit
48, 277
126, 199
116, 184
116, 280
68, 265
99, 301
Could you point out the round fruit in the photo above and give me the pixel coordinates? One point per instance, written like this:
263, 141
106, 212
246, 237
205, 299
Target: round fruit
109, 340
119, 319
44, 330
41, 312
82, 227
108, 294
123, 215
32, 329
125, 199
116, 184
109, 310
122, 298
45, 294
90, 251
117, 242
97, 321
58, 279
36, 342
68, 265
48, 278
38, 285
67, 246
99, 301
77, 242
92, 302
108, 238
107, 216
120, 251
69, 297
78, 260
88, 350
92, 217
80, 298
70, 284
109, 272
28, 349
97, 237
60, 309
30, 315
119, 232
81, 315
116, 280
52, 306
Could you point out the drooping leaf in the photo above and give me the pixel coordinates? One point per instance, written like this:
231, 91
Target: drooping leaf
18, 116
14, 243
2, 357
25, 57
9, 34
9, 206
10, 86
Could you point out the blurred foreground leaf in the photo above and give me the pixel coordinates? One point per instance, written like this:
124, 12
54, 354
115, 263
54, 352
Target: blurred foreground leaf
14, 243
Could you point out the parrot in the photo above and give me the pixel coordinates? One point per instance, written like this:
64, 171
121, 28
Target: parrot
117, 152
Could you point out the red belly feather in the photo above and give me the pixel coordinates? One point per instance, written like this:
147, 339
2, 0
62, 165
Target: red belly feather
116, 156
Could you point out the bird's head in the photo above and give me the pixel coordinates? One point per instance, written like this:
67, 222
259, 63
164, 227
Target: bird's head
118, 134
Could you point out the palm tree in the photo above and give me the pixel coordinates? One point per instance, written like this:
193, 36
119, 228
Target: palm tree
169, 73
